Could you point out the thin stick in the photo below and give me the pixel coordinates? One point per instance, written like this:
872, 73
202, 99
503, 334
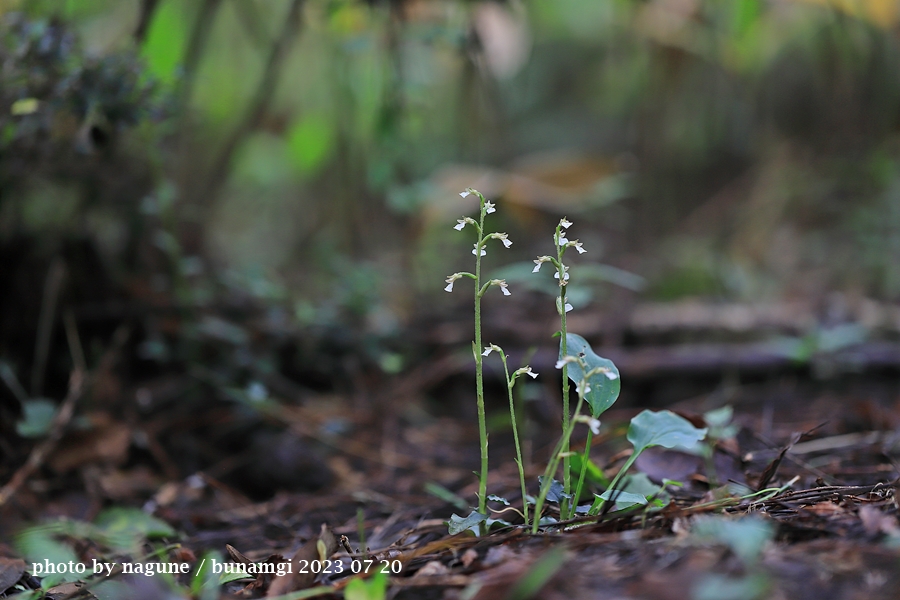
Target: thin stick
52, 287
40, 452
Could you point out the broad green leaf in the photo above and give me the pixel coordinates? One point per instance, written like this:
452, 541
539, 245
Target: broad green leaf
500, 499
604, 386
458, 524
745, 537
622, 499
132, 520
663, 428
37, 418
40, 545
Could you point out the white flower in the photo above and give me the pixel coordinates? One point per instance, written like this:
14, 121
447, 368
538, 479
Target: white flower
561, 239
610, 375
504, 287
503, 238
564, 361
450, 281
465, 193
565, 223
594, 424
577, 245
489, 207
483, 251
540, 261
585, 391
491, 348
565, 278
530, 373
460, 223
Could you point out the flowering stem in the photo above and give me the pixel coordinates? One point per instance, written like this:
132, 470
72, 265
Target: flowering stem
584, 462
479, 376
515, 429
552, 466
567, 477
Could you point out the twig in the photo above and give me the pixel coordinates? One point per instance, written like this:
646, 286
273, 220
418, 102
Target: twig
41, 451
203, 25
77, 382
52, 287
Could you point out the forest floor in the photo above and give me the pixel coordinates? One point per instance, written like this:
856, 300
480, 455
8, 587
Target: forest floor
365, 479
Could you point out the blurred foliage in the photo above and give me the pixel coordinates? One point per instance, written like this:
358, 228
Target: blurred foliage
307, 155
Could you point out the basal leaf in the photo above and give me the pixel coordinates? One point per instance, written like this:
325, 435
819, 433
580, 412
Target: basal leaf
663, 428
604, 386
458, 524
622, 499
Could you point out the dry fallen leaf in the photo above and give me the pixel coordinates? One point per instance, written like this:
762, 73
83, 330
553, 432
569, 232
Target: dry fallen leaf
318, 548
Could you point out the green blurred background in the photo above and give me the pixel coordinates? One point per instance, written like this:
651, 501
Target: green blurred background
307, 155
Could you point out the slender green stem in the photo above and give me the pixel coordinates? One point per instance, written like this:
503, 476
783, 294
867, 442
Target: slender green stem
479, 376
598, 504
564, 351
552, 466
510, 383
584, 463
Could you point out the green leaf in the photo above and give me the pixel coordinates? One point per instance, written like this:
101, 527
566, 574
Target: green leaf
37, 418
745, 537
663, 428
604, 386
555, 493
123, 527
622, 499
374, 588
500, 499
164, 46
593, 473
311, 142
205, 583
458, 524
39, 544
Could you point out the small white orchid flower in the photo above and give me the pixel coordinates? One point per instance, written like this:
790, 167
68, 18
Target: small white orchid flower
504, 287
489, 207
561, 239
565, 278
577, 245
540, 261
503, 238
585, 391
610, 375
491, 348
467, 192
474, 250
565, 223
526, 370
594, 424
565, 360
460, 223
450, 281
